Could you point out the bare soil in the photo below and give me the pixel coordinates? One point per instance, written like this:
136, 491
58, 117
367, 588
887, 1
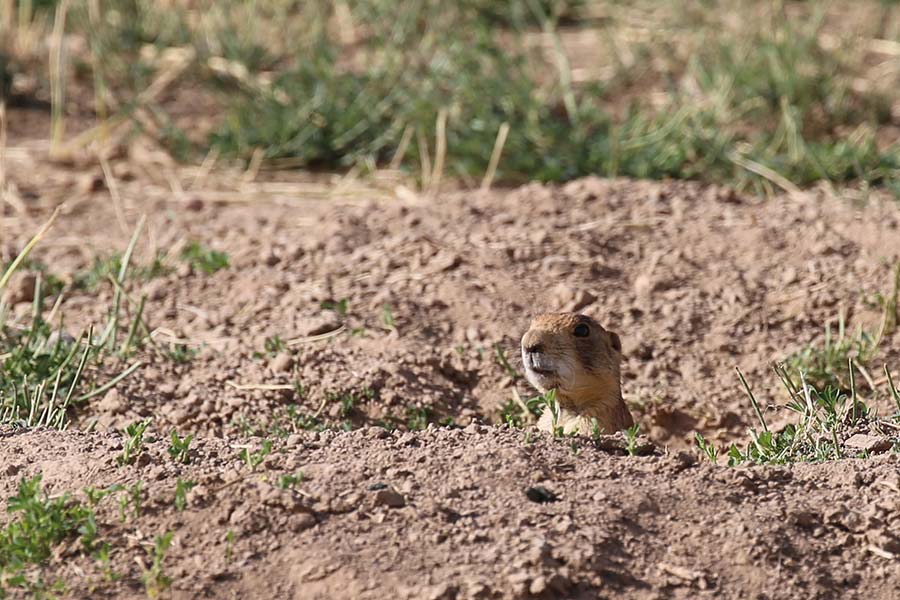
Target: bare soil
695, 279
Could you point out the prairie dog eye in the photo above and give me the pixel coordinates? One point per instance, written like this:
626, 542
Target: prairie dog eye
582, 330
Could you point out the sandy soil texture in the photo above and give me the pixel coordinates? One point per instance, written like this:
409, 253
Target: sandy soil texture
450, 513
354, 308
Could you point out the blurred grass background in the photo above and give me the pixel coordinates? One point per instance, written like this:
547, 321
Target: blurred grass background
758, 95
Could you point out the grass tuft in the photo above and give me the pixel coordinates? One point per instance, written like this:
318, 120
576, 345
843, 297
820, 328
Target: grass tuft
826, 418
204, 259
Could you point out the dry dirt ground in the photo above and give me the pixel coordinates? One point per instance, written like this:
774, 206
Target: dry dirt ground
423, 295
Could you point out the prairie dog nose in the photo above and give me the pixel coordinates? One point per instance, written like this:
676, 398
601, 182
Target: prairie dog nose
534, 348
531, 342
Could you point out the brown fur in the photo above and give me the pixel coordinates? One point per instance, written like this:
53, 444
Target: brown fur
584, 371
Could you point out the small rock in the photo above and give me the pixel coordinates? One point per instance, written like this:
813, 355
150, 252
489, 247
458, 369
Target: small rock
540, 494
538, 585
269, 258
444, 261
90, 183
111, 402
302, 521
20, 288
475, 428
868, 443
62, 338
557, 265
643, 285
156, 290
581, 300
318, 325
377, 433
282, 363
179, 416
195, 204
390, 498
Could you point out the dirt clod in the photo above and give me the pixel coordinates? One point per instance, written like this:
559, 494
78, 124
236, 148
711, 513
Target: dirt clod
868, 443
390, 497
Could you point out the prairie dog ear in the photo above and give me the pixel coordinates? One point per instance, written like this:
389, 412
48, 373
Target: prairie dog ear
615, 341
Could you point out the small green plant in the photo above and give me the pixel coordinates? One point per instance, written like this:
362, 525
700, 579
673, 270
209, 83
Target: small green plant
348, 402
631, 435
133, 496
255, 458
134, 442
204, 259
596, 430
707, 448
339, 306
102, 556
550, 401
179, 447
387, 318
418, 417
274, 345
181, 353
575, 447
513, 414
281, 423
38, 524
182, 487
287, 482
155, 580
229, 545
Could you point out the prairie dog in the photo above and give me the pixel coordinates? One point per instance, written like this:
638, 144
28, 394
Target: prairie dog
577, 357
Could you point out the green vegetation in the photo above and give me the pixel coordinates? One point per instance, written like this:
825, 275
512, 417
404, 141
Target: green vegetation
500, 353
829, 364
42, 369
631, 436
516, 415
281, 424
181, 354
708, 449
39, 523
133, 496
204, 259
758, 95
824, 419
339, 306
179, 448
105, 268
182, 488
287, 482
155, 580
255, 458
134, 442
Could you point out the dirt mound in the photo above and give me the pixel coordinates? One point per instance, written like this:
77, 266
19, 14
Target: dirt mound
478, 512
427, 298
275, 314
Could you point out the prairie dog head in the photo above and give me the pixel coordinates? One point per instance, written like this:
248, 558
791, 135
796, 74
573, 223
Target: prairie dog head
574, 355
